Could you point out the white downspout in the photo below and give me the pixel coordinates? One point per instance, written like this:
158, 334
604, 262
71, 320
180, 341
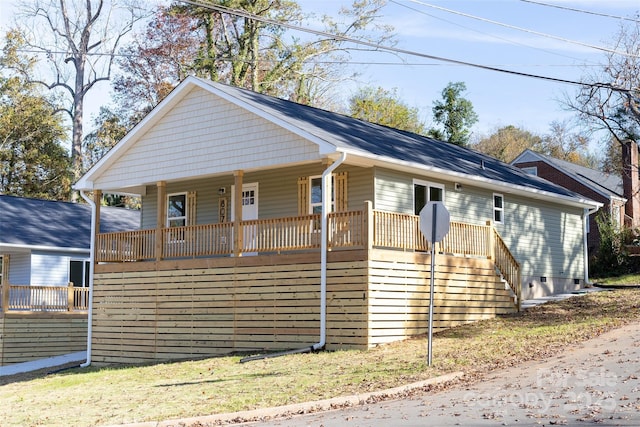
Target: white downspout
587, 214
326, 208
91, 264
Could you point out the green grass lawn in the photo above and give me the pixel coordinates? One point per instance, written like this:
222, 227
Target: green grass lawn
97, 396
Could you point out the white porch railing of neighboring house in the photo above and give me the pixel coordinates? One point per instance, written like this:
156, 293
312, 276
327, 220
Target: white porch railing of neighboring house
354, 229
34, 298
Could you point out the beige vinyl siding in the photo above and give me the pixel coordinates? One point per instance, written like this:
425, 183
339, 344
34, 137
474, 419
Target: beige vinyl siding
394, 193
204, 135
277, 192
546, 238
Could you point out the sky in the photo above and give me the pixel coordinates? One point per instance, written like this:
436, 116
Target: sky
463, 33
499, 99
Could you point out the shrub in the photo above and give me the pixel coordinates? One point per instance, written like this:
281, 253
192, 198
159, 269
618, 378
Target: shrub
613, 258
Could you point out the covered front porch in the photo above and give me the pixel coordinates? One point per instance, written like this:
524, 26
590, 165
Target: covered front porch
366, 229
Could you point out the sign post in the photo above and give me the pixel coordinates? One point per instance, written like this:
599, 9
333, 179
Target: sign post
434, 225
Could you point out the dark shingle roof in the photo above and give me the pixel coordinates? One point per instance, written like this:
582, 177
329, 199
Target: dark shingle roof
345, 132
605, 183
34, 222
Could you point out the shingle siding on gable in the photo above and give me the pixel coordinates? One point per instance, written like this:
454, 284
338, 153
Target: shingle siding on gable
179, 145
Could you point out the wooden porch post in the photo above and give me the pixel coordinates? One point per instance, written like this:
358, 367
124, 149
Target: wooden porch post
237, 208
368, 225
161, 217
5, 283
70, 292
491, 244
97, 197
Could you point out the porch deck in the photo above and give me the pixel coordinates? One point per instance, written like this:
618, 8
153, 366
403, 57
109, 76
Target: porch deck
353, 230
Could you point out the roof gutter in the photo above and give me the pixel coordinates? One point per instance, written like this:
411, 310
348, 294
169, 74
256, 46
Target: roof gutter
326, 208
587, 214
479, 181
92, 259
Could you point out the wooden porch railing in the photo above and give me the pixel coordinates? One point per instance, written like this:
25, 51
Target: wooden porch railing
345, 230
45, 298
135, 245
508, 266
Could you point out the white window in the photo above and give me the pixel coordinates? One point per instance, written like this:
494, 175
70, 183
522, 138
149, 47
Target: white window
531, 170
79, 273
424, 192
498, 208
177, 210
315, 195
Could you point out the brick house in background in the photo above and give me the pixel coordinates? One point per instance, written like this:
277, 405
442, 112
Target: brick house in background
613, 191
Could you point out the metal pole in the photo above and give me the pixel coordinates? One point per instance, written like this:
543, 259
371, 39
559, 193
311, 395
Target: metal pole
433, 272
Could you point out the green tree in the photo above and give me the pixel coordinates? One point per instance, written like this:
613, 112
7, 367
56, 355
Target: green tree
377, 105
563, 143
185, 40
110, 127
508, 142
33, 162
454, 114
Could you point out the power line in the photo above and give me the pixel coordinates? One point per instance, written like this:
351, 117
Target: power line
338, 37
625, 18
377, 63
537, 33
480, 32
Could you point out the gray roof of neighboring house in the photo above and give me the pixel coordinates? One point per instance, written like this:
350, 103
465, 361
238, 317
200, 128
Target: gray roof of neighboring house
47, 223
606, 184
359, 136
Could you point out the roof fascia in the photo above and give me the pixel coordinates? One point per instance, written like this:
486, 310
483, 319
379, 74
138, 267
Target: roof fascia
14, 246
479, 181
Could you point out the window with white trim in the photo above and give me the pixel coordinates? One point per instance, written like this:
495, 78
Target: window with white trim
177, 210
424, 192
315, 195
79, 272
498, 208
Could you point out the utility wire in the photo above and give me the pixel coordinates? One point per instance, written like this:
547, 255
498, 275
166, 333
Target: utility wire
537, 33
625, 18
230, 59
480, 32
337, 37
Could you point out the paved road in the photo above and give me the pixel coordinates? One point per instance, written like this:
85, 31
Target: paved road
594, 384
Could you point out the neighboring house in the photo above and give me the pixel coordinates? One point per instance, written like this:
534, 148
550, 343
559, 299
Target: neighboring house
267, 224
44, 248
603, 187
47, 243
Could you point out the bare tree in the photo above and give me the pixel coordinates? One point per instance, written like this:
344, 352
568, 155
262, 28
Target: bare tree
78, 40
610, 97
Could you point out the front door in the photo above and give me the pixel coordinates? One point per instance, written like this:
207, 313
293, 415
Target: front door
250, 201
249, 212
